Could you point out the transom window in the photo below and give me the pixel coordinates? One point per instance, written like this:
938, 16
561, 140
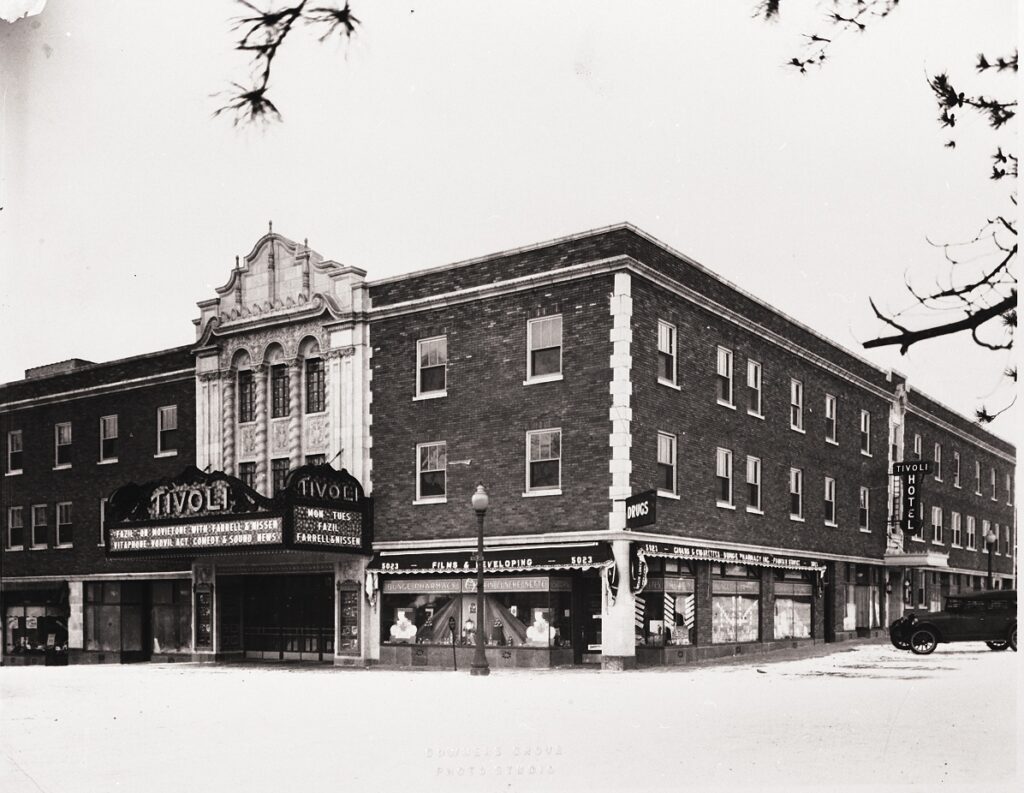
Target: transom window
724, 376
14, 452
108, 438
937, 525
316, 392
796, 404
431, 365
246, 396
64, 523
796, 493
754, 388
666, 352
754, 484
723, 477
167, 429
39, 526
830, 418
432, 467
544, 342
278, 390
830, 501
544, 460
15, 528
938, 462
667, 463
62, 442
865, 432
864, 511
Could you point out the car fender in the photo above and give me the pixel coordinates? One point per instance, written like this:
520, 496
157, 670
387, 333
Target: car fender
930, 626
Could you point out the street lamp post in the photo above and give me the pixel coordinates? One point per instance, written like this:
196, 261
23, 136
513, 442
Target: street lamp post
990, 542
479, 665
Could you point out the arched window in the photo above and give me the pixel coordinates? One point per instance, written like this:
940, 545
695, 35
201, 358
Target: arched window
316, 392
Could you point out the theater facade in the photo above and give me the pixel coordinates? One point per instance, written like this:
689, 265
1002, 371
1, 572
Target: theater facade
675, 471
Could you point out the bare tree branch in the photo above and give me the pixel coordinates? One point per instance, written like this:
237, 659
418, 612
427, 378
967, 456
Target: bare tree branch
907, 337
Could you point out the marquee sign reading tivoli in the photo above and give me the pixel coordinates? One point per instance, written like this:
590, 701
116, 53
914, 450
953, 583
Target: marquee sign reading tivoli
319, 509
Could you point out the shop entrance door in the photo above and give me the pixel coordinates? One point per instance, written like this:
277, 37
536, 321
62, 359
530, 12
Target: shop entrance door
586, 604
288, 617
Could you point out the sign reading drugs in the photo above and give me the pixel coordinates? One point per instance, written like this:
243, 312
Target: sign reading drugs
641, 509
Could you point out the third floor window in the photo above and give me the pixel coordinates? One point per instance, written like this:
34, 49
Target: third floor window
796, 405
830, 418
754, 388
278, 390
246, 396
544, 343
62, 442
108, 438
666, 353
316, 389
431, 366
14, 452
724, 376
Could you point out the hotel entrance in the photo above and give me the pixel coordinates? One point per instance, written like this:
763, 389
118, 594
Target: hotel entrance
278, 617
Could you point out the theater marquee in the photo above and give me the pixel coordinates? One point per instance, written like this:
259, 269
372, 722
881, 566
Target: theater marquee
196, 512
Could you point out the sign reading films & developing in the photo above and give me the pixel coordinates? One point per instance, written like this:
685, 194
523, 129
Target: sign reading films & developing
319, 509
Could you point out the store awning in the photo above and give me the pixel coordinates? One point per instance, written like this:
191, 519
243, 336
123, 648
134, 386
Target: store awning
496, 560
690, 552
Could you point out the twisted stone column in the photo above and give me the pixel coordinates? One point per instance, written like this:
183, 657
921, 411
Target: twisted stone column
227, 387
295, 414
259, 374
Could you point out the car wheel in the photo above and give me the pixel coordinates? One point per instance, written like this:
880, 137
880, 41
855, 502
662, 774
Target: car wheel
997, 645
923, 642
900, 644
1013, 638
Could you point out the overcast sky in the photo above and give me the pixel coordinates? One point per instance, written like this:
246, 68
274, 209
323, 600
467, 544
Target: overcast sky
452, 130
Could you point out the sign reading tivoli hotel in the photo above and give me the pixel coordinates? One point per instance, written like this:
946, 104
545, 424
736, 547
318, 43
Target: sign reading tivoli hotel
320, 509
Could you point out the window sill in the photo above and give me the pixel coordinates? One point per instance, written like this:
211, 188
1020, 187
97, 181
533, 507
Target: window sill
65, 545
729, 405
544, 378
865, 454
957, 486
868, 531
169, 453
14, 473
958, 547
430, 395
797, 519
540, 493
62, 467
831, 524
669, 384
937, 479
725, 505
15, 548
934, 542
439, 500
667, 494
759, 416
307, 413
801, 430
831, 441
916, 539
38, 548
110, 461
755, 511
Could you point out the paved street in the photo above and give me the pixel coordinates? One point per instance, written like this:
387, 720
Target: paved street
865, 715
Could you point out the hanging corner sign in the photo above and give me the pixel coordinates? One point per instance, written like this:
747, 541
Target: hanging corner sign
911, 472
912, 467
641, 509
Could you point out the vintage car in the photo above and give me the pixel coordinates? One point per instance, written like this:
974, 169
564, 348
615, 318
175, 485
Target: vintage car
989, 617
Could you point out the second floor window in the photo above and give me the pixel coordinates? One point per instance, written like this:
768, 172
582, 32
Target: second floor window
64, 523
977, 477
864, 511
316, 390
796, 404
796, 493
938, 462
246, 396
432, 466
993, 481
937, 525
754, 484
1009, 490
166, 429
431, 365
956, 469
865, 432
39, 526
723, 477
754, 388
62, 441
972, 533
278, 474
15, 527
917, 447
666, 463
14, 452
278, 390
108, 438
544, 460
954, 527
724, 376
830, 501
830, 418
667, 353
247, 473
544, 341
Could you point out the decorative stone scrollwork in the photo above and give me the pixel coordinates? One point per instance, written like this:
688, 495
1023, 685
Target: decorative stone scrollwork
294, 413
247, 443
256, 342
278, 437
260, 377
316, 440
339, 352
228, 422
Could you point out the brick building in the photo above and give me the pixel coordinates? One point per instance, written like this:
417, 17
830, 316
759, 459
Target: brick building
566, 377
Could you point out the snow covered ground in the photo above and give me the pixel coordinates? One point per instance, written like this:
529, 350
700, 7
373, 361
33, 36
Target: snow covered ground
866, 717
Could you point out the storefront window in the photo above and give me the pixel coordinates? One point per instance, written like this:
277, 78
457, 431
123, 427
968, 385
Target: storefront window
667, 607
735, 604
532, 612
793, 597
34, 629
172, 616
